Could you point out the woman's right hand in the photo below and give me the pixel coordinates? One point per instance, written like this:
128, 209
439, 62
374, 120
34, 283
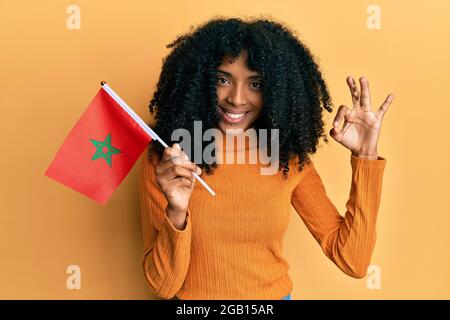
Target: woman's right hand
174, 177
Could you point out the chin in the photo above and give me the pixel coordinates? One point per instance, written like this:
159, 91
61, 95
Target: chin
224, 127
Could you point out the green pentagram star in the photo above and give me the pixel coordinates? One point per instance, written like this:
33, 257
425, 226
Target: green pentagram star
100, 145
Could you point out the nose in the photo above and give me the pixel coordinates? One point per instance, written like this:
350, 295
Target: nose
237, 96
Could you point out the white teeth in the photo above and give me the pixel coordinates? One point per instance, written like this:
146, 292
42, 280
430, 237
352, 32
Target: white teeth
234, 116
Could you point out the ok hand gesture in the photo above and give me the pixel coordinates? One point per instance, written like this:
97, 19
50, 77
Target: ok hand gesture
359, 129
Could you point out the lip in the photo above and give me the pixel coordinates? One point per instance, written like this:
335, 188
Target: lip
231, 120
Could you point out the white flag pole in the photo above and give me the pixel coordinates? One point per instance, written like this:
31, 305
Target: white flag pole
146, 128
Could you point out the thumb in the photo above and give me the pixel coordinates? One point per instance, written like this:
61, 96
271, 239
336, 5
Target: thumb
176, 146
334, 134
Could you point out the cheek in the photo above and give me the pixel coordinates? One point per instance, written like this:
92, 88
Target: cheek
258, 103
221, 94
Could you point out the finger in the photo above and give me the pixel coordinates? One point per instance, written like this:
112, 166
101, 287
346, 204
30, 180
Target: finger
164, 165
365, 94
171, 186
339, 116
179, 161
339, 126
176, 172
180, 182
337, 123
353, 91
172, 152
382, 110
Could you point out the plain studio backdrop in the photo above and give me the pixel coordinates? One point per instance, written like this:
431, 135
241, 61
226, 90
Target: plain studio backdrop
54, 55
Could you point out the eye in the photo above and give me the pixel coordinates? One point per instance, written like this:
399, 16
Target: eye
258, 84
222, 80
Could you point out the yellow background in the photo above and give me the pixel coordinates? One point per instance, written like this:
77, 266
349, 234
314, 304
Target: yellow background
49, 74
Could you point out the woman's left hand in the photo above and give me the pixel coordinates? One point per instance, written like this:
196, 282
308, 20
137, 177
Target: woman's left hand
361, 128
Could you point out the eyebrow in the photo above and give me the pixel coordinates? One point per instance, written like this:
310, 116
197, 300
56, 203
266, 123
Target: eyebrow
230, 75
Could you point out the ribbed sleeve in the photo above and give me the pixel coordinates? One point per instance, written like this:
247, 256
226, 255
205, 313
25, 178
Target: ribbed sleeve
347, 240
166, 249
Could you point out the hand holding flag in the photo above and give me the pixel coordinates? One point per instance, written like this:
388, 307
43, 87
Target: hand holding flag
102, 147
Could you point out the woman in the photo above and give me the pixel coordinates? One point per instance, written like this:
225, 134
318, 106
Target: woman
251, 75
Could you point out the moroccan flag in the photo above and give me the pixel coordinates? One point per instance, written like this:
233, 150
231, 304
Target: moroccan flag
100, 149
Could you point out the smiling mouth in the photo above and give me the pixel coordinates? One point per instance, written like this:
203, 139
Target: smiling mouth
232, 117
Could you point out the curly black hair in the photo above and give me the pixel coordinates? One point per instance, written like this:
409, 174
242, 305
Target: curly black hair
293, 89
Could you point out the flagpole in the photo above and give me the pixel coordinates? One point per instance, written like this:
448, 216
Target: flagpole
145, 127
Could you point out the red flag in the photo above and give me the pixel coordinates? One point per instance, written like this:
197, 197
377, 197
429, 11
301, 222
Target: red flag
100, 149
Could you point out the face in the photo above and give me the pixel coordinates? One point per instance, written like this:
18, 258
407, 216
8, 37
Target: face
239, 94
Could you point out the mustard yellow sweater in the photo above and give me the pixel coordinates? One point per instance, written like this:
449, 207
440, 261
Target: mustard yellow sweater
231, 247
